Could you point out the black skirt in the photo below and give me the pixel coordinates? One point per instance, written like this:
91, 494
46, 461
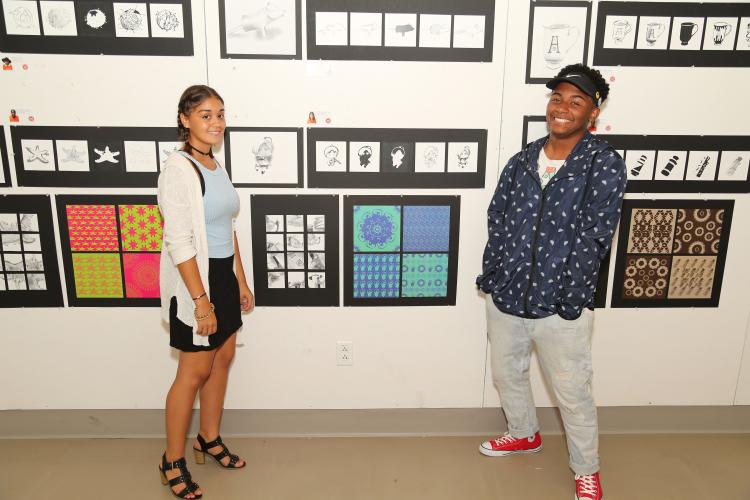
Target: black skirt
225, 295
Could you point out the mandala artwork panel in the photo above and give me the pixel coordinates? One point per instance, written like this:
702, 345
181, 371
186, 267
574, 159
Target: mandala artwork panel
426, 228
377, 228
424, 275
698, 231
141, 275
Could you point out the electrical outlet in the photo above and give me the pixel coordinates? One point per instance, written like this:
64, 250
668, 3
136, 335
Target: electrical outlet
344, 353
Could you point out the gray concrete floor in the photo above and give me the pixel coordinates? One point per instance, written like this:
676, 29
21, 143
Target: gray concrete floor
634, 467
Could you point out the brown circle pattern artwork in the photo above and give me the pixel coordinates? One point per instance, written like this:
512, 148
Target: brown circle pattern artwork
698, 231
651, 230
646, 277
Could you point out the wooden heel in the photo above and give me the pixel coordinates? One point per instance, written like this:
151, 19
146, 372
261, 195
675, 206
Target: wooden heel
200, 458
163, 477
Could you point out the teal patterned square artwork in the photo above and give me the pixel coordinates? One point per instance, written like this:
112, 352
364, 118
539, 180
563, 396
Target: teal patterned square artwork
376, 275
424, 275
377, 228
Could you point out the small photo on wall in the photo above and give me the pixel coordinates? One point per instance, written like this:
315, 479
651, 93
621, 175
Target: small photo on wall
468, 32
734, 165
559, 38
619, 32
316, 223
274, 242
397, 157
686, 33
670, 165
131, 20
331, 28
721, 32
400, 30
296, 279
72, 156
259, 27
702, 165
95, 18
429, 157
263, 157
140, 156
167, 20
274, 223
435, 30
640, 164
58, 18
276, 280
38, 154
330, 156
366, 29
316, 280
462, 156
364, 156
21, 17
652, 32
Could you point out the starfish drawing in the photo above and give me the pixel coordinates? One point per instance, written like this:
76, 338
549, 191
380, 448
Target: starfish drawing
72, 155
37, 154
106, 155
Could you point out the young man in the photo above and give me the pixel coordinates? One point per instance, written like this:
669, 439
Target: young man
551, 221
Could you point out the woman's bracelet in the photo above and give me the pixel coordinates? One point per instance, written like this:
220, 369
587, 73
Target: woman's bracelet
199, 296
205, 316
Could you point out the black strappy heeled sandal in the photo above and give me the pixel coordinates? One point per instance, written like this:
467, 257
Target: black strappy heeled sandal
184, 477
200, 454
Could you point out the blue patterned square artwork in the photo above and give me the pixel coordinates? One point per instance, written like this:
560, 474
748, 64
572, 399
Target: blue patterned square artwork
426, 228
425, 275
377, 228
376, 275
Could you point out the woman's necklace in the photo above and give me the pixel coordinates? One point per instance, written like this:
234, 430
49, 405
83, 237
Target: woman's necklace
208, 153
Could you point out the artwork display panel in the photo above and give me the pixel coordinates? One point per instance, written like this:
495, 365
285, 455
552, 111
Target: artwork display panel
671, 253
558, 36
90, 156
264, 157
400, 250
29, 274
260, 29
164, 28
111, 247
412, 30
295, 250
396, 158
672, 34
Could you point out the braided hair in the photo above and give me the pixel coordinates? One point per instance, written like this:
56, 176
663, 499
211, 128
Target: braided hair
192, 97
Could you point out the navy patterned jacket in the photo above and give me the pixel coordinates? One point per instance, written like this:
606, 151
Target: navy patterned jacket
545, 245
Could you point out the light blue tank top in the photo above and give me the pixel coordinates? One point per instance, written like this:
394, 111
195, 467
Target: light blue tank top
221, 204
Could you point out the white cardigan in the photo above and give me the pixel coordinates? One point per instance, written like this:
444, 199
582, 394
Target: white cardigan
181, 204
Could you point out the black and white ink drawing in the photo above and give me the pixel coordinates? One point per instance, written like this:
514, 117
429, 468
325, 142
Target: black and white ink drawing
640, 164
316, 223
397, 157
260, 27
331, 28
58, 18
140, 156
702, 165
38, 155
72, 156
316, 242
167, 20
316, 260
275, 260
721, 33
734, 165
106, 155
619, 32
316, 280
686, 33
400, 30
166, 148
295, 260
276, 280
670, 165
295, 242
364, 156
21, 17
296, 280
462, 157
429, 157
274, 223
331, 156
435, 30
274, 242
295, 224
366, 29
263, 153
559, 37
468, 32
96, 19
130, 20
651, 31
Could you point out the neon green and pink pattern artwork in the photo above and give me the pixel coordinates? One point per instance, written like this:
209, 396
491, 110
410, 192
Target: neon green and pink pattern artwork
115, 250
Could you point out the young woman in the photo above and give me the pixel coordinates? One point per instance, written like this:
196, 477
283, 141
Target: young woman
202, 297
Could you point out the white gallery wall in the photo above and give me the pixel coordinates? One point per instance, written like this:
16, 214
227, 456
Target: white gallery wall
404, 357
